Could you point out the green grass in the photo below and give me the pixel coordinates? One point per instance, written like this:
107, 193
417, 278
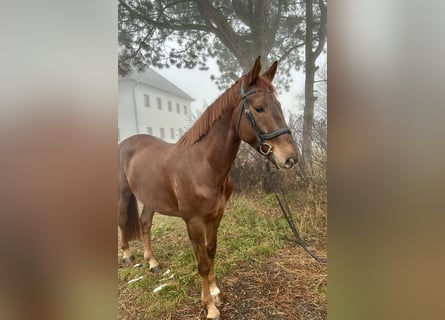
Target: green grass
251, 230
248, 232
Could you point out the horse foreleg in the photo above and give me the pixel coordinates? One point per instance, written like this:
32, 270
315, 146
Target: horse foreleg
211, 235
146, 223
197, 233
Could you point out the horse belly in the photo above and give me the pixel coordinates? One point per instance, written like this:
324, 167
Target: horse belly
160, 200
156, 194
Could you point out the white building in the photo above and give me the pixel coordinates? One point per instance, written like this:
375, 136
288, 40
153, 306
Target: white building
149, 103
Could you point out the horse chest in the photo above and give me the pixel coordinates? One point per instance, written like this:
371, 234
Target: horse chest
202, 199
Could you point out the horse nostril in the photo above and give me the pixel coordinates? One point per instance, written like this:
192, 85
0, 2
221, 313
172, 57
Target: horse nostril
289, 163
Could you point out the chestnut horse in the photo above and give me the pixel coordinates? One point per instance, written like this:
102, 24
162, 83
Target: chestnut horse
190, 179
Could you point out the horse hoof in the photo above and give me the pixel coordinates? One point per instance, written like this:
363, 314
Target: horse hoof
156, 269
128, 260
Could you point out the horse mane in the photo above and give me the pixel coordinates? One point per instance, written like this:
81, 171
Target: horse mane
213, 112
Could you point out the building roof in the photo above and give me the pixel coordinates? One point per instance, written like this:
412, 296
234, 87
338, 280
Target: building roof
153, 79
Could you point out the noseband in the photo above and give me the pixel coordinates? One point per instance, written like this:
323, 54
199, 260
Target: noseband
260, 136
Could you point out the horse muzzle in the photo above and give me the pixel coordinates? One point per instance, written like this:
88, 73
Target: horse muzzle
286, 164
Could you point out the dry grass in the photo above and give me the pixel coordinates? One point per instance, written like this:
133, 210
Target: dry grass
261, 272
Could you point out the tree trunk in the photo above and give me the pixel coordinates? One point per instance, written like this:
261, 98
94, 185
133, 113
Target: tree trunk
308, 115
309, 98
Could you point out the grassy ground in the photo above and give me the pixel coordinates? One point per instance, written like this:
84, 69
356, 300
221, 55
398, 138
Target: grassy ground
261, 272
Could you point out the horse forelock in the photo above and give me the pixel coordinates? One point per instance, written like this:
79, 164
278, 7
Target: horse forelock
264, 83
227, 101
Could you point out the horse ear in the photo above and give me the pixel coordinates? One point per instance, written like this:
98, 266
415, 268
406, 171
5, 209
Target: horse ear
270, 73
254, 72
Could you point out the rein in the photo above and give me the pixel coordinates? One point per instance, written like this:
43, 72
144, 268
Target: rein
260, 136
287, 214
265, 152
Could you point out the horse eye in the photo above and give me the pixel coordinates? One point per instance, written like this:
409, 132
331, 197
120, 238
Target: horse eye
259, 109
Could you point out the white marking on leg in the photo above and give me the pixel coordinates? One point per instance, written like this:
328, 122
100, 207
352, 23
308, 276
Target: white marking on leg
126, 253
214, 291
212, 312
153, 263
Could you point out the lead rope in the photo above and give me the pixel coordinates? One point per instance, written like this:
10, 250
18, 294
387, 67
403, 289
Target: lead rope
286, 212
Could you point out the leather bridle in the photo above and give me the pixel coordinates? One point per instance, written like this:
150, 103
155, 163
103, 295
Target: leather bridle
264, 148
268, 136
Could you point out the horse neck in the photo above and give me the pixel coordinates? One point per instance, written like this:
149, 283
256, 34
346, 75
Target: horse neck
221, 143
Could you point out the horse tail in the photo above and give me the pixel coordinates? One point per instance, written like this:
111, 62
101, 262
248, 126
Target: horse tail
133, 225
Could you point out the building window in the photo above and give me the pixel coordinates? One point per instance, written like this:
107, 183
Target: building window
146, 100
149, 130
178, 108
169, 105
172, 133
181, 131
161, 133
159, 103
185, 109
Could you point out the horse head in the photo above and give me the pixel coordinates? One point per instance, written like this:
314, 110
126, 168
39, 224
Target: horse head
259, 118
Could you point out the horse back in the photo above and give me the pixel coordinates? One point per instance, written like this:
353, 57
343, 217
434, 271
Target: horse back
132, 146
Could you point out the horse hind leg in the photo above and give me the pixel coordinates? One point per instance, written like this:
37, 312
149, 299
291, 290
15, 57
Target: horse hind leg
128, 223
146, 223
